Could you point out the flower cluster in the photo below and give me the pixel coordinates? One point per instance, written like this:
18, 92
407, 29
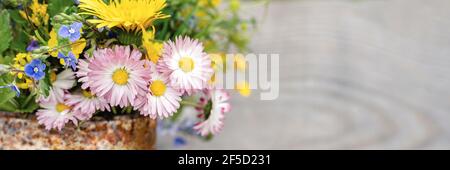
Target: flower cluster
74, 60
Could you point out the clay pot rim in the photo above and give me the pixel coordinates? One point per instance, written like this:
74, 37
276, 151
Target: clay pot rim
17, 116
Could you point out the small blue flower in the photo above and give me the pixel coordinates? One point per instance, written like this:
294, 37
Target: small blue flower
71, 31
70, 59
33, 45
13, 87
77, 2
35, 69
179, 141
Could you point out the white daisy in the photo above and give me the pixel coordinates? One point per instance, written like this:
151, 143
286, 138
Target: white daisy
55, 113
65, 80
216, 101
161, 100
188, 67
85, 104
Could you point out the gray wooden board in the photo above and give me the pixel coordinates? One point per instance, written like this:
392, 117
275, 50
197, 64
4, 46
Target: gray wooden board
354, 74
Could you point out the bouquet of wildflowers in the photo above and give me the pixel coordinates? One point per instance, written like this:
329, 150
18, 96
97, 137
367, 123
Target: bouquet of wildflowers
71, 61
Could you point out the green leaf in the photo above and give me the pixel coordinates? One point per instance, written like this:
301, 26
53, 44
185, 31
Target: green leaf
44, 85
58, 6
15, 16
6, 94
5, 31
20, 42
8, 107
27, 104
6, 59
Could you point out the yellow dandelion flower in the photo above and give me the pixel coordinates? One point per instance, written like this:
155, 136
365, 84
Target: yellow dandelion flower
130, 15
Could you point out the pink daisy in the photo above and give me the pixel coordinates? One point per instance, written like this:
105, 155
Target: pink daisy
83, 70
187, 65
161, 100
217, 101
85, 104
55, 113
117, 74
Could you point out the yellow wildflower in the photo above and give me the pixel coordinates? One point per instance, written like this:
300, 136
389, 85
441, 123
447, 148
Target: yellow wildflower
53, 42
20, 61
235, 5
25, 84
38, 13
130, 15
153, 48
77, 47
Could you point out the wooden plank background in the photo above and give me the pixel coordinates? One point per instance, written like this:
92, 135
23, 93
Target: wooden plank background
355, 74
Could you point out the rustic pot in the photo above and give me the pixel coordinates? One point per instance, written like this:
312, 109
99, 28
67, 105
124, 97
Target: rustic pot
123, 132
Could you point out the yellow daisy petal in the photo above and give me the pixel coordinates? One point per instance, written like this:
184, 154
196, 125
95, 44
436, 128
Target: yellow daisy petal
117, 13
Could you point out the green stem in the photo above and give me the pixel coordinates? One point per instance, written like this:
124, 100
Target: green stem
62, 46
27, 100
113, 109
38, 36
28, 19
189, 103
129, 109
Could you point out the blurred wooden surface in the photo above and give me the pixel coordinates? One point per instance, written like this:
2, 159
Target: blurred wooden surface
355, 74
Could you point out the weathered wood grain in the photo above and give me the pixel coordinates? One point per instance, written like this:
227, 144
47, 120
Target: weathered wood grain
355, 74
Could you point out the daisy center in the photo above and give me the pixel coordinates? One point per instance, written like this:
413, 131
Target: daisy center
52, 76
158, 88
87, 94
186, 64
120, 77
60, 107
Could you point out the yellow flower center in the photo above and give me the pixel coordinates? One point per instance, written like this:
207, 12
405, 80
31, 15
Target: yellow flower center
158, 88
60, 107
52, 76
120, 77
186, 64
87, 94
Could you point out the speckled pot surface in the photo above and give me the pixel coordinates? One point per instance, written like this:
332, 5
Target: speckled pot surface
123, 132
